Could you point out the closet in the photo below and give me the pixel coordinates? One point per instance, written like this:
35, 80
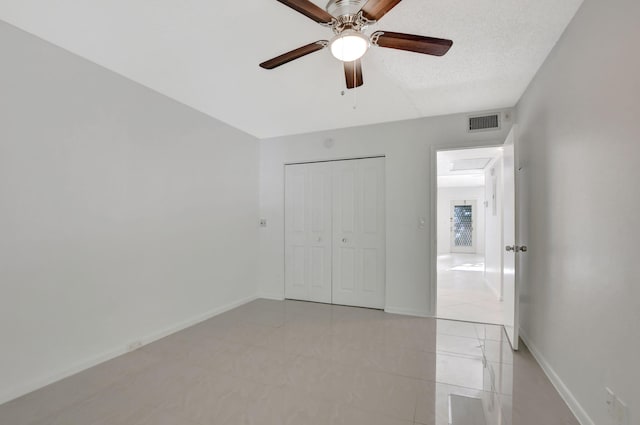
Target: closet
335, 232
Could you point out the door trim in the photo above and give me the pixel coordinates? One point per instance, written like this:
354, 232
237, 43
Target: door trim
334, 160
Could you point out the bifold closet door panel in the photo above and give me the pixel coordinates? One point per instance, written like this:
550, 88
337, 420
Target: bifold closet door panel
308, 232
359, 233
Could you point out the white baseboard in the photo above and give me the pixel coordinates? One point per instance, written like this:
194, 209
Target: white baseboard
271, 296
108, 355
575, 407
407, 311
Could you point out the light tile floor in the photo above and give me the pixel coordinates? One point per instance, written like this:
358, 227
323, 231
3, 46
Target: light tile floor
298, 363
463, 293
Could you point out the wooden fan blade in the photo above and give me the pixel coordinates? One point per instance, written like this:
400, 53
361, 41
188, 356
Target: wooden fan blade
294, 54
412, 43
309, 10
376, 9
353, 74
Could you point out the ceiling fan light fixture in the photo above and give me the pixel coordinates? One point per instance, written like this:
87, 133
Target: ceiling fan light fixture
349, 45
348, 19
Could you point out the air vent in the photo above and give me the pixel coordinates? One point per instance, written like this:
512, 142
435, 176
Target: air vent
484, 123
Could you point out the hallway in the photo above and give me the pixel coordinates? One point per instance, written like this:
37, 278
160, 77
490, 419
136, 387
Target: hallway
462, 291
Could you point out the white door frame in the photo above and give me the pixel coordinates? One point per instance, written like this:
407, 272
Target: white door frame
433, 212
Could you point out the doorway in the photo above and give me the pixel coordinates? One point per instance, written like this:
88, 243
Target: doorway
469, 229
335, 232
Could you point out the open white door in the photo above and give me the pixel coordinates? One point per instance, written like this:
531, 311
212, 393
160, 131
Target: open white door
512, 250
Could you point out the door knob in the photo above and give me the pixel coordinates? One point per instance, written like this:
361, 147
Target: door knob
516, 248
344, 240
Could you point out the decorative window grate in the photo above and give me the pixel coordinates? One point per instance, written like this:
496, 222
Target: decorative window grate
463, 225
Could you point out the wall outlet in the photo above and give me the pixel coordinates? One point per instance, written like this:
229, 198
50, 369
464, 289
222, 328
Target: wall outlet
617, 410
620, 412
134, 345
610, 401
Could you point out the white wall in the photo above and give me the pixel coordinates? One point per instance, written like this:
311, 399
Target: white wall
123, 214
493, 228
580, 138
409, 147
445, 196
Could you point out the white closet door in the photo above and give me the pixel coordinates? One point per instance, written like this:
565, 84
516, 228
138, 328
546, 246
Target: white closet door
358, 233
308, 232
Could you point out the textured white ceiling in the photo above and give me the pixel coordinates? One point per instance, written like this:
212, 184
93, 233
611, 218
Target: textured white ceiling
205, 53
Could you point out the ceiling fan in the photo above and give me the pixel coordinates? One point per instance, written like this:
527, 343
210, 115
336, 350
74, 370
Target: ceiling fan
348, 19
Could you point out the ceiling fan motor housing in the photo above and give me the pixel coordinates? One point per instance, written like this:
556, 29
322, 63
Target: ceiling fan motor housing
340, 8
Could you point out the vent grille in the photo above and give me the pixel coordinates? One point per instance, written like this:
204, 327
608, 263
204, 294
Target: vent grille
485, 122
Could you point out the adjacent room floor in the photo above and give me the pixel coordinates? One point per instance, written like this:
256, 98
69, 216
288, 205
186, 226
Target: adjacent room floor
462, 292
298, 363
